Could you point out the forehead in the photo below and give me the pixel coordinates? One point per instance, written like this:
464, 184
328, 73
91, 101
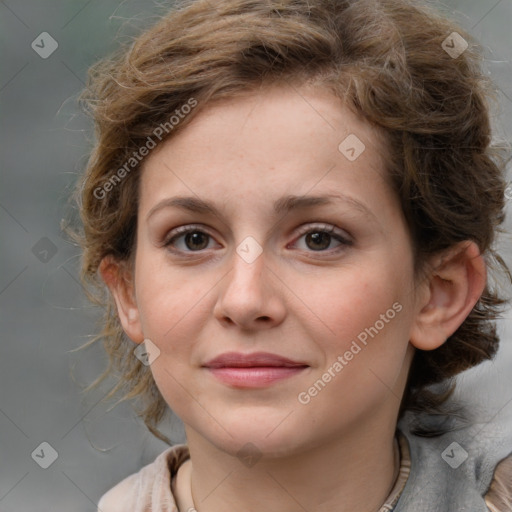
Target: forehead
278, 139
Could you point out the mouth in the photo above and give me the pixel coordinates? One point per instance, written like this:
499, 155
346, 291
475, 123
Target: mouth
253, 370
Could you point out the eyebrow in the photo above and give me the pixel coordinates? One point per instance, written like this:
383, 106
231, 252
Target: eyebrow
283, 205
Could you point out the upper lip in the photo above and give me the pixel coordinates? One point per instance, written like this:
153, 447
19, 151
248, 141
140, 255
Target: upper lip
237, 359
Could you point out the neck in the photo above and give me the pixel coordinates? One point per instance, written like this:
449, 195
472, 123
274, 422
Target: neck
354, 470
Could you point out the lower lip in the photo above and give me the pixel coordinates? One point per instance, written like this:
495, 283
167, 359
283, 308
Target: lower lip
255, 377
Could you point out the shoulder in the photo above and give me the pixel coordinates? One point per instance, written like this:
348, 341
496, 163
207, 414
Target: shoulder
120, 497
149, 488
499, 495
469, 467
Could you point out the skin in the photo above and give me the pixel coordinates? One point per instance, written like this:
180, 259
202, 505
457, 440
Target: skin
308, 304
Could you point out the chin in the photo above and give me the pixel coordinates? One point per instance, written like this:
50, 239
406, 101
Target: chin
265, 434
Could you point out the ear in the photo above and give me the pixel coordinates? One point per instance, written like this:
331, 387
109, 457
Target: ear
119, 280
448, 295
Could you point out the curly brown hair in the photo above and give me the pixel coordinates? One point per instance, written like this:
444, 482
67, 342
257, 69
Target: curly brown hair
387, 59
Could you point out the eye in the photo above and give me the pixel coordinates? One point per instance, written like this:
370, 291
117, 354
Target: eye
318, 238
193, 238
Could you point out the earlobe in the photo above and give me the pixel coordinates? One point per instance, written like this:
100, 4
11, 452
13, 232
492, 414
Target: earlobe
453, 288
120, 283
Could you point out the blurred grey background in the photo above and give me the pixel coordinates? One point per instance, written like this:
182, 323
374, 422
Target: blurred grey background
44, 314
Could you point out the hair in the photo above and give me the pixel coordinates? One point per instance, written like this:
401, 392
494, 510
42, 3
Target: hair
385, 59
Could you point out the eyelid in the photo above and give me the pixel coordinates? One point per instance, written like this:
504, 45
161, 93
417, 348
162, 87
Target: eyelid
327, 228
183, 230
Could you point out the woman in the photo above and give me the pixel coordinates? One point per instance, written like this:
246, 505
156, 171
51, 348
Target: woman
293, 205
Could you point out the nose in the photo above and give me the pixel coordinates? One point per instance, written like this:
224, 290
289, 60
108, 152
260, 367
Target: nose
250, 296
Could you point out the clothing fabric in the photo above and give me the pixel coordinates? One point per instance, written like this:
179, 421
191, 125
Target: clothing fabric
468, 468
426, 481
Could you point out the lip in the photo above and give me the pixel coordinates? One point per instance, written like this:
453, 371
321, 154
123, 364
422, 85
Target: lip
259, 369
240, 360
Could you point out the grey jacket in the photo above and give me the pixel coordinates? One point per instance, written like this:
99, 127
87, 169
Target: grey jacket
452, 472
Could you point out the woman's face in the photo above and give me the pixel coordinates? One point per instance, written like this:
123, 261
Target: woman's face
326, 284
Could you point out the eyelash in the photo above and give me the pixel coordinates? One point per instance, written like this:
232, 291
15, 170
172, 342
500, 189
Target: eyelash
320, 228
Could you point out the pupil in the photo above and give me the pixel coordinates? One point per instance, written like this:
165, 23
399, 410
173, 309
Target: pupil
195, 238
317, 238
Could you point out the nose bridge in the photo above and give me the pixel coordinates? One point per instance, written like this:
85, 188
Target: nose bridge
248, 293
249, 260
248, 266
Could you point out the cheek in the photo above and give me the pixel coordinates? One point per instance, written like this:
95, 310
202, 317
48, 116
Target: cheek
355, 303
364, 350
170, 305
